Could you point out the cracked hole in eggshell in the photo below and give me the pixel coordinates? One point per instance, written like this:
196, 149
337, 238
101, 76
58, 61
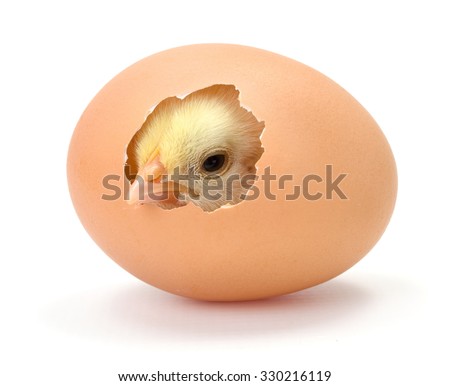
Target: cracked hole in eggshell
200, 147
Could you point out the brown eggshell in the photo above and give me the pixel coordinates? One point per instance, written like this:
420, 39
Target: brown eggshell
258, 248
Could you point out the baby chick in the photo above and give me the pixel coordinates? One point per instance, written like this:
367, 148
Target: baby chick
201, 149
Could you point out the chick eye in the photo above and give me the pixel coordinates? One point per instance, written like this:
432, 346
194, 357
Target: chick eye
214, 163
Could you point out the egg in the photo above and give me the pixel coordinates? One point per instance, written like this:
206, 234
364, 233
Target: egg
323, 192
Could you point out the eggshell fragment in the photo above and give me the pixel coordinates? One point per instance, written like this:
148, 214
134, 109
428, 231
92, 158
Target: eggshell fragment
261, 247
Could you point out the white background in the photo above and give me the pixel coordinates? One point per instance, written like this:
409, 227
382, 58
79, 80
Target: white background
70, 316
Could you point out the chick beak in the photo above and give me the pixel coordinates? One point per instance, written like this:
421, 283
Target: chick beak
148, 187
